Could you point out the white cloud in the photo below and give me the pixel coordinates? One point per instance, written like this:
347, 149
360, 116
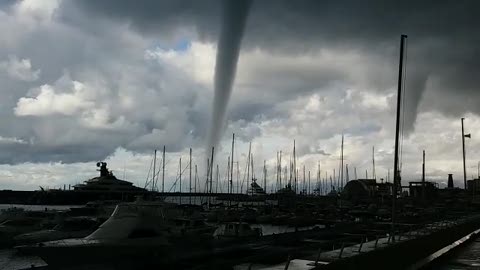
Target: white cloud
36, 11
50, 101
11, 140
19, 69
198, 60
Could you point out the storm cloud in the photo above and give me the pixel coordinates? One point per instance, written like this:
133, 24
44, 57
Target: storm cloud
82, 79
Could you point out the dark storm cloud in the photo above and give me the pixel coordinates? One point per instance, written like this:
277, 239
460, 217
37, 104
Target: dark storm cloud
108, 38
443, 44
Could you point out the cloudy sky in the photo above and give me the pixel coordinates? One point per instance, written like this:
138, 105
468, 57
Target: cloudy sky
84, 81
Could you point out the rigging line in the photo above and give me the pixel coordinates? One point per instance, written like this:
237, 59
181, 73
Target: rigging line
403, 103
245, 174
177, 177
147, 180
159, 169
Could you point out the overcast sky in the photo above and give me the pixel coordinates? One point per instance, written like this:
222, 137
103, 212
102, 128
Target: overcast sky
86, 81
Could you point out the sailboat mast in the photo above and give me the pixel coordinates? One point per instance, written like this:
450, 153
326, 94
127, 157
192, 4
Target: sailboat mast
341, 168
180, 173
373, 162
319, 181
304, 181
216, 180
280, 168
163, 170
228, 176
248, 165
265, 175
231, 165
295, 167
196, 175
276, 173
238, 177
253, 174
154, 163
396, 172
211, 170
190, 169
308, 183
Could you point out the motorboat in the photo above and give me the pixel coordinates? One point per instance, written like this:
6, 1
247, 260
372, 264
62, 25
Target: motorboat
94, 208
69, 228
13, 227
192, 227
134, 235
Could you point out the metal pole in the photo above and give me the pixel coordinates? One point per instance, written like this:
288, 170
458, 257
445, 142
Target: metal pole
396, 173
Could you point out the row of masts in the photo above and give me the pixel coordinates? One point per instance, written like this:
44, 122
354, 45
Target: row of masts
286, 177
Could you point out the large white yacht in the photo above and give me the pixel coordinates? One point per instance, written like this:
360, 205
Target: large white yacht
106, 182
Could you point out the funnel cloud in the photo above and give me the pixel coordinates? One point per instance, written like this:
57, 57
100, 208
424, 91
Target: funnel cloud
233, 24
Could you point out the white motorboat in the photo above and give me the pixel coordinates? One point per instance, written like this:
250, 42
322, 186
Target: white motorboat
70, 228
136, 233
